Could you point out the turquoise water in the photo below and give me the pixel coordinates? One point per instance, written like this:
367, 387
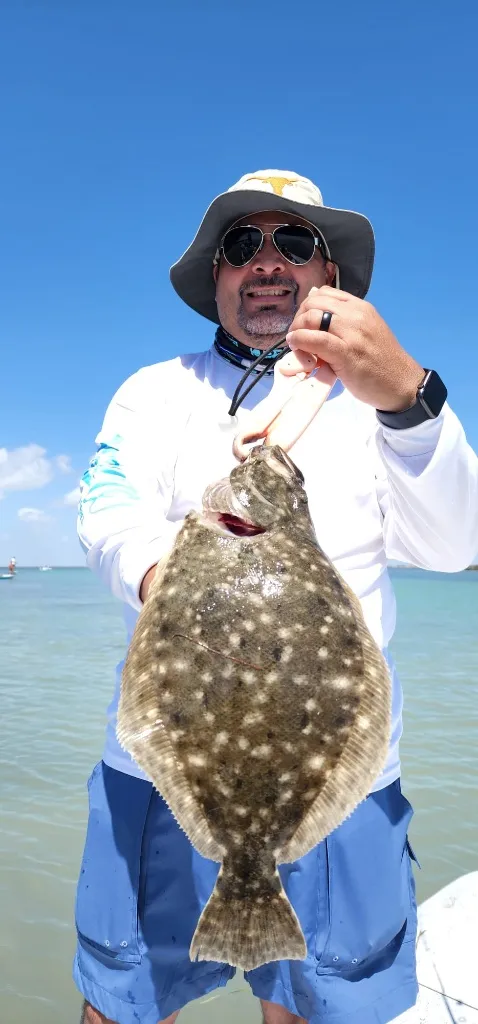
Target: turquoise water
61, 637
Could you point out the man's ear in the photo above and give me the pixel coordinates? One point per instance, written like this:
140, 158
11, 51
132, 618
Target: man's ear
330, 272
215, 272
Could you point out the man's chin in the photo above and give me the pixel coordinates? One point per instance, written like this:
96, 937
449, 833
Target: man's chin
264, 329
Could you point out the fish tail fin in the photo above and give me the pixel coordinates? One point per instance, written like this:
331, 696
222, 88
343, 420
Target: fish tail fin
250, 929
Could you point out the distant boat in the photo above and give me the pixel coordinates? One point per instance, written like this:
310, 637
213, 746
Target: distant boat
44, 568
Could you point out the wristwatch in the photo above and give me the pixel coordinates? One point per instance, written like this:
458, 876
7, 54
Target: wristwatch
431, 397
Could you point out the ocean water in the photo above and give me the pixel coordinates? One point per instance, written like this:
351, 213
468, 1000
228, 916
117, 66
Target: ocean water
61, 635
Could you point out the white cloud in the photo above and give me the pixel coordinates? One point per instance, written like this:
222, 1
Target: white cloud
24, 469
73, 497
29, 468
33, 515
63, 463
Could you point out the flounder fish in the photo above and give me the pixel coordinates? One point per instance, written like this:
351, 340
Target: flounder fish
255, 699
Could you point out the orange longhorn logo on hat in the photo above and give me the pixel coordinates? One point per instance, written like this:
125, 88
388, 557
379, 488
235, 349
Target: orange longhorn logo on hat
278, 184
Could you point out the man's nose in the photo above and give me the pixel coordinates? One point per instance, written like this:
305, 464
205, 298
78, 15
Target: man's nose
268, 260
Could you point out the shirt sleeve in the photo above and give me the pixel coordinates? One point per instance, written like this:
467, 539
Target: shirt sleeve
126, 494
427, 484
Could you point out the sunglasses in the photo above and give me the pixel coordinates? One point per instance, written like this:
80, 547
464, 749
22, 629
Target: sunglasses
295, 242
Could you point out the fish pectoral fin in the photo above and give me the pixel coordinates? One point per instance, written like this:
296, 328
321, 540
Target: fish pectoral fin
153, 751
249, 930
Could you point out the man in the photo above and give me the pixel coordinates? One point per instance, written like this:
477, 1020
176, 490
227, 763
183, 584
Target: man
269, 260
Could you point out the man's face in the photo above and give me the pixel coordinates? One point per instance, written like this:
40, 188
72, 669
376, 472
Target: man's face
244, 310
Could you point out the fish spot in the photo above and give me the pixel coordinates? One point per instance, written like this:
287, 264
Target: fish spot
286, 796
310, 704
234, 640
171, 590
255, 826
287, 654
264, 812
307, 729
176, 734
166, 696
248, 677
316, 761
329, 619
285, 777
363, 722
197, 759
150, 714
248, 625
197, 595
243, 743
309, 795
347, 662
340, 683
253, 717
284, 633
323, 652
266, 618
199, 694
308, 585
206, 677
288, 746
271, 677
209, 717
263, 750
299, 680
255, 599
241, 811
299, 627
221, 739
260, 697
227, 671
324, 630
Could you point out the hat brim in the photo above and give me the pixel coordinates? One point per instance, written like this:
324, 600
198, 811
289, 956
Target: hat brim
349, 237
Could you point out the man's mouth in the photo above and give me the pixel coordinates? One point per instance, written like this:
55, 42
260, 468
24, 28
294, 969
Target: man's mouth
258, 293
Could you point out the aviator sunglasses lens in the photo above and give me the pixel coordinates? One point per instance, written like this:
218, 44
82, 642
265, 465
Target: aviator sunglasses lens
241, 244
295, 243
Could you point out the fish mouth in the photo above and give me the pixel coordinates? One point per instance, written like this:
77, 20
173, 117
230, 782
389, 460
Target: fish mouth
239, 527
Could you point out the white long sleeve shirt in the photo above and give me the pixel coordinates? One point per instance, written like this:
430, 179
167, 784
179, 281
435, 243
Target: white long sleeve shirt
375, 494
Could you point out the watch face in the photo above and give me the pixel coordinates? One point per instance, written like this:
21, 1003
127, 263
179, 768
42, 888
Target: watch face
432, 394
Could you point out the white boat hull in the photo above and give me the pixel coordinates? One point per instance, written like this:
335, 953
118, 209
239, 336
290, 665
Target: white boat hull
447, 948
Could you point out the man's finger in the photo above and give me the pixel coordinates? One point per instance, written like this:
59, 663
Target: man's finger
323, 344
311, 319
333, 293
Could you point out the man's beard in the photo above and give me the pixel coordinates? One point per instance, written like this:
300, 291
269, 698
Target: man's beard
267, 322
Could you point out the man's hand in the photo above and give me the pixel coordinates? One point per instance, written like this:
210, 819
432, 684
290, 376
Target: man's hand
359, 346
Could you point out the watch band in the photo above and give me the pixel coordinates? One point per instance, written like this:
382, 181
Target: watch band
431, 397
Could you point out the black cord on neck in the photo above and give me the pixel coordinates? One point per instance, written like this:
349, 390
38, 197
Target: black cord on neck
237, 398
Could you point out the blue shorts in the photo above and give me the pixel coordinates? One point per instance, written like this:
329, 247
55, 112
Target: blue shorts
142, 887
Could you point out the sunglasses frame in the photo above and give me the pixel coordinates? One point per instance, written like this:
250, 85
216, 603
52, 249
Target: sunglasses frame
318, 239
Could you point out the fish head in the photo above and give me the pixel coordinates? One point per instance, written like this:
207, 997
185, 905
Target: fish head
265, 490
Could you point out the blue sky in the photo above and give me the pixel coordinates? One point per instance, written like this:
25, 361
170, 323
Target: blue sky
120, 122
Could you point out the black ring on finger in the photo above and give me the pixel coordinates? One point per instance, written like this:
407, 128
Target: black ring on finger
325, 322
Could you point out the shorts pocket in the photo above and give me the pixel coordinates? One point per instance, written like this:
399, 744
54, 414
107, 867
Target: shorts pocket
106, 910
369, 884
